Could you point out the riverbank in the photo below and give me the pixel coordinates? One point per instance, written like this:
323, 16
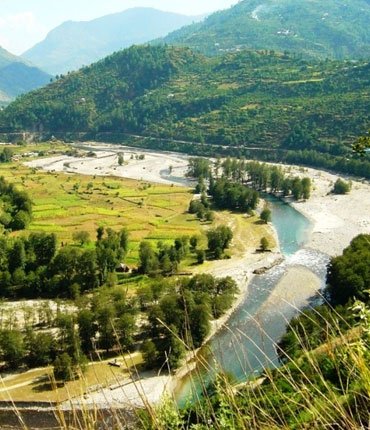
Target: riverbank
336, 219
103, 160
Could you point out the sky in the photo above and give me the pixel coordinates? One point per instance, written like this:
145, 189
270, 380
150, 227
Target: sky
23, 23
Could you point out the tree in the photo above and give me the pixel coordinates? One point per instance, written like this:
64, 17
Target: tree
147, 257
209, 216
194, 242
20, 220
44, 247
198, 168
123, 239
105, 318
306, 188
12, 347
41, 347
201, 256
150, 354
17, 256
219, 239
297, 188
6, 155
83, 237
199, 324
348, 275
121, 159
99, 233
264, 244
63, 368
87, 328
266, 215
341, 187
174, 350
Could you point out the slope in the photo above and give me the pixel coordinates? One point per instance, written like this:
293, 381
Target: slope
74, 44
241, 100
332, 28
18, 77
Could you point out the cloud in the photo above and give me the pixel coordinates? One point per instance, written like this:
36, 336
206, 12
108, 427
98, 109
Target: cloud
20, 30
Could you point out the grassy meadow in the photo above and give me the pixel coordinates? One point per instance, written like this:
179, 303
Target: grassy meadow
38, 385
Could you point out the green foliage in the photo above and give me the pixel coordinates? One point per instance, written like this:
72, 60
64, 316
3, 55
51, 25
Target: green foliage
6, 155
180, 315
12, 347
264, 244
312, 29
82, 237
41, 347
349, 275
150, 353
362, 146
266, 215
201, 256
33, 267
219, 239
148, 258
309, 110
15, 207
199, 168
323, 379
234, 196
63, 368
341, 187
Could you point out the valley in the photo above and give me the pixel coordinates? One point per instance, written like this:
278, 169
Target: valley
336, 219
184, 215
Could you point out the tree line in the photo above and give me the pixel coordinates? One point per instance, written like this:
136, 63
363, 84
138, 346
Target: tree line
34, 267
177, 314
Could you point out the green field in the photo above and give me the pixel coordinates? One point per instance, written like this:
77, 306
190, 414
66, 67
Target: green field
66, 203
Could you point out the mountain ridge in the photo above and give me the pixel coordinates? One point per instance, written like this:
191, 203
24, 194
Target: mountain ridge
18, 76
247, 98
333, 29
74, 44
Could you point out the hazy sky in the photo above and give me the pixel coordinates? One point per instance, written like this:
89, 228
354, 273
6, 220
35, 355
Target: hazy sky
26, 22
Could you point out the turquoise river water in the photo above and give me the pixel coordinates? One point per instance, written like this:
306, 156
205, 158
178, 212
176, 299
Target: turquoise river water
247, 343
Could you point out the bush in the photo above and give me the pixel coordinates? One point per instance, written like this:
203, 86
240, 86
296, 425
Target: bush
341, 187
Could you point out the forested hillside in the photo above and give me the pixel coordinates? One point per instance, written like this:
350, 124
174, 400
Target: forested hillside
331, 28
247, 99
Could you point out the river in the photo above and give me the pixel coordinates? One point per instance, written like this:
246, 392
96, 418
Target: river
247, 343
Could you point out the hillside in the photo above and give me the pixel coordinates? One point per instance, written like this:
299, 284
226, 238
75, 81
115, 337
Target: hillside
244, 100
18, 77
331, 28
74, 44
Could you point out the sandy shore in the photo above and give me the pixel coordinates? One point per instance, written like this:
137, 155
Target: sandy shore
142, 165
129, 394
336, 219
295, 289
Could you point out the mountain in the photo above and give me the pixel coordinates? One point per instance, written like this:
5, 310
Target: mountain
262, 100
18, 76
74, 44
331, 28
